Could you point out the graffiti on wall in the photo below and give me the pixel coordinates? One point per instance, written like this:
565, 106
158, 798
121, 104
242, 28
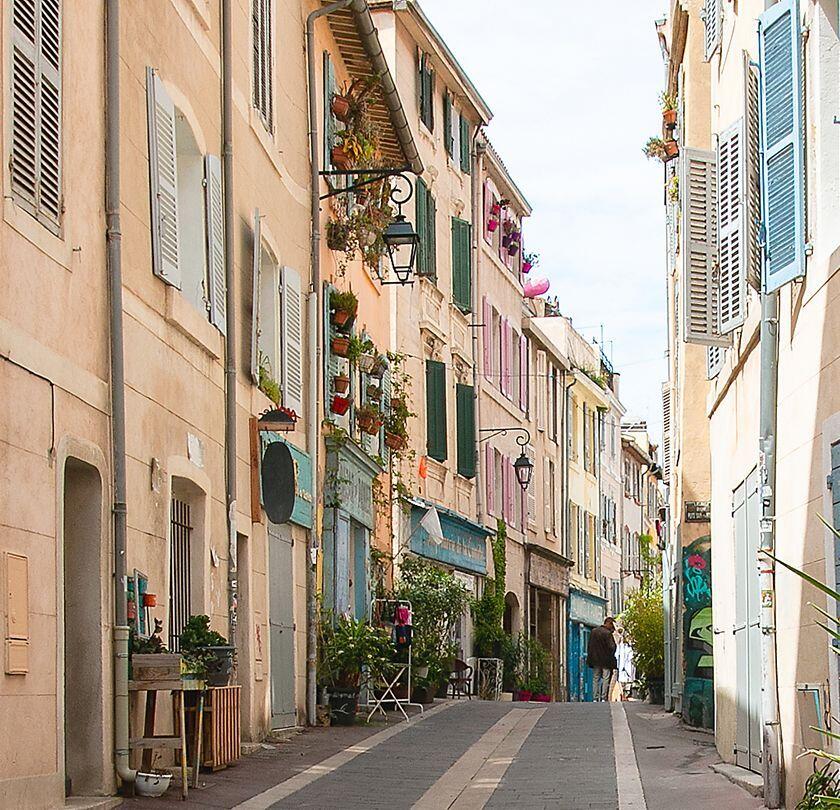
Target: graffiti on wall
698, 694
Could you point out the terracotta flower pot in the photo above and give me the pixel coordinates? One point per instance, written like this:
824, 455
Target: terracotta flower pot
340, 346
369, 424
395, 442
341, 382
340, 107
341, 317
149, 600
367, 363
339, 158
669, 118
340, 405
672, 149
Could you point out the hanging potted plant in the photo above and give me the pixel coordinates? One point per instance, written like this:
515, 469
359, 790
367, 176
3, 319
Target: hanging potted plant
492, 224
340, 107
658, 149
369, 419
672, 149
374, 393
340, 405
529, 262
496, 210
340, 345
341, 383
514, 242
669, 111
378, 367
338, 235
357, 349
396, 424
351, 102
343, 306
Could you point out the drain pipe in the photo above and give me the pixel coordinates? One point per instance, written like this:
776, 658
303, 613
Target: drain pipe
315, 311
230, 316
477, 157
113, 239
567, 508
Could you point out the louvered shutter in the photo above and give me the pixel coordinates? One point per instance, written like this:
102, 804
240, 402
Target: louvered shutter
489, 479
24, 158
163, 180
465, 418
465, 145
49, 112
732, 244
263, 59
385, 400
329, 118
461, 261
292, 347
699, 235
421, 216
523, 373
431, 225
436, 410
256, 268
666, 433
714, 361
712, 19
447, 124
546, 496
486, 335
504, 377
216, 281
752, 172
531, 492
782, 153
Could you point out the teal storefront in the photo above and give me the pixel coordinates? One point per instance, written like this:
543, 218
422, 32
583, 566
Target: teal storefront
585, 612
349, 519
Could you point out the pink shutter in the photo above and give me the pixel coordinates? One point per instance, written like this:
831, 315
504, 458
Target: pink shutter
490, 478
504, 379
523, 507
488, 205
488, 336
523, 373
504, 489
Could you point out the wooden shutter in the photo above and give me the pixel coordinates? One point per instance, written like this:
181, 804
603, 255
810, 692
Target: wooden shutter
531, 503
330, 125
465, 145
436, 410
699, 235
263, 59
448, 141
490, 479
752, 172
782, 152
163, 180
465, 419
731, 214
504, 349
49, 112
712, 18
523, 373
292, 337
546, 496
714, 360
666, 433
487, 336
256, 271
431, 237
488, 205
216, 281
461, 265
421, 215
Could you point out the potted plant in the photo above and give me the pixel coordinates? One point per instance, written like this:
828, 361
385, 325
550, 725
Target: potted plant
340, 405
672, 149
643, 623
374, 393
669, 111
673, 189
341, 383
347, 648
492, 224
529, 262
208, 650
496, 210
358, 348
377, 368
149, 660
351, 102
153, 783
266, 382
340, 345
396, 424
338, 235
513, 246
654, 149
343, 306
369, 419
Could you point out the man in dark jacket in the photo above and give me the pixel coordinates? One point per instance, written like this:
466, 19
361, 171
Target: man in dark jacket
600, 656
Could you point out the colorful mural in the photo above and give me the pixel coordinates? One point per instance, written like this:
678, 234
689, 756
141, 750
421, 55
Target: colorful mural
698, 692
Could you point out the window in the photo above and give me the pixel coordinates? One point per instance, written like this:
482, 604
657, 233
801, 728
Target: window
180, 591
263, 61
436, 410
553, 402
186, 207
496, 340
461, 264
615, 597
712, 18
35, 160
426, 214
587, 439
465, 418
573, 429
515, 366
552, 498
542, 389
427, 92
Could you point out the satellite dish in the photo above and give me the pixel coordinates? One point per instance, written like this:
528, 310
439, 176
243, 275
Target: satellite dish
278, 482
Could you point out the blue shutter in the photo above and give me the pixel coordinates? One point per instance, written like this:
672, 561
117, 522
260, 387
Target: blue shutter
782, 176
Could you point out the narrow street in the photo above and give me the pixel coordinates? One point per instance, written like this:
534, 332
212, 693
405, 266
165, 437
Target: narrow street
474, 754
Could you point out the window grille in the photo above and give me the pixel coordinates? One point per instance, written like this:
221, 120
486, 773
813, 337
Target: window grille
180, 534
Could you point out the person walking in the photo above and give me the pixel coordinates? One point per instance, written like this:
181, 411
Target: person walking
600, 657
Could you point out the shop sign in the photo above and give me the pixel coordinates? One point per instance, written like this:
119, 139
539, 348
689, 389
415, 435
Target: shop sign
463, 545
586, 609
302, 505
548, 575
698, 511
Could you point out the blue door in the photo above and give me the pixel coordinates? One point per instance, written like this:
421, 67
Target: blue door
574, 661
586, 673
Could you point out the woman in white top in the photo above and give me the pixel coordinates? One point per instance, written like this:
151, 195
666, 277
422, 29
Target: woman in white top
626, 667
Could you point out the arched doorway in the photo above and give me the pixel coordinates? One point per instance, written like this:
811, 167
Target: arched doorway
512, 622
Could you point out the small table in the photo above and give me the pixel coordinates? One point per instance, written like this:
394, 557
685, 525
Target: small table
388, 695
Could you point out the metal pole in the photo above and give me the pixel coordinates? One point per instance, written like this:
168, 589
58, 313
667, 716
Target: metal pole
771, 737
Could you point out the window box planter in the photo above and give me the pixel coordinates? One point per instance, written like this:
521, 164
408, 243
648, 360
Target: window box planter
341, 383
669, 119
395, 442
156, 667
340, 405
340, 346
339, 158
340, 107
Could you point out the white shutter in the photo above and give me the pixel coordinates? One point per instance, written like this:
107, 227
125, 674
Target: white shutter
732, 243
546, 497
163, 180
263, 60
256, 282
216, 281
666, 433
699, 236
752, 173
714, 360
49, 114
24, 157
712, 18
292, 346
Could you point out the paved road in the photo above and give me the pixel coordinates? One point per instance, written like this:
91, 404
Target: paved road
474, 754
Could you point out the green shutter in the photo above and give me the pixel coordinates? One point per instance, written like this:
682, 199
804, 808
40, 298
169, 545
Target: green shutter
465, 414
461, 261
420, 195
431, 236
465, 145
436, 410
448, 140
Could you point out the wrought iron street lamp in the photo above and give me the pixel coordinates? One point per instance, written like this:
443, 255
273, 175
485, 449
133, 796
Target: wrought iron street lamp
402, 242
523, 466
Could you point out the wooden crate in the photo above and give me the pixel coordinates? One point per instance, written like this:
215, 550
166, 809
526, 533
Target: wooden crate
221, 738
156, 667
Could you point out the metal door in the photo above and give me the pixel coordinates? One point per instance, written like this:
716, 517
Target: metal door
281, 626
587, 679
574, 661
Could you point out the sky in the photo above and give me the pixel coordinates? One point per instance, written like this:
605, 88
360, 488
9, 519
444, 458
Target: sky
574, 96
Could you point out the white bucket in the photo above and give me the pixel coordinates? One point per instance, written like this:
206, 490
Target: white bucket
152, 784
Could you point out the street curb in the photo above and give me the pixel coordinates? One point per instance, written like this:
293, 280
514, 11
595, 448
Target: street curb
749, 781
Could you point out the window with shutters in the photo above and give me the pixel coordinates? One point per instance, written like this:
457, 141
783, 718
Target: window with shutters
263, 61
269, 316
465, 144
426, 94
574, 431
714, 361
461, 265
542, 389
712, 15
732, 228
465, 418
436, 410
667, 427
426, 215
448, 134
515, 366
35, 161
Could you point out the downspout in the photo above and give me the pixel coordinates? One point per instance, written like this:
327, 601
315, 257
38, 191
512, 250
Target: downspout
230, 315
113, 238
567, 504
477, 159
315, 330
